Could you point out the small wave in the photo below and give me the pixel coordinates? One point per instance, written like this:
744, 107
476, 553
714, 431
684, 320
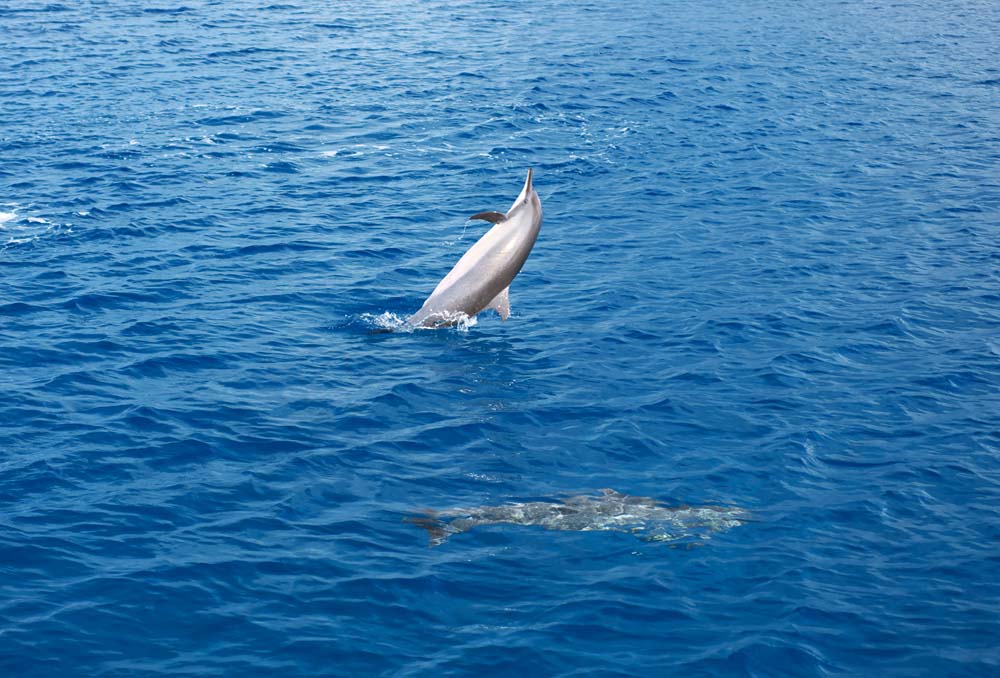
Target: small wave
353, 151
20, 229
167, 10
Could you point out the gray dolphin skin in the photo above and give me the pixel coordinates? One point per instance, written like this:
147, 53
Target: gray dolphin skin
481, 278
644, 517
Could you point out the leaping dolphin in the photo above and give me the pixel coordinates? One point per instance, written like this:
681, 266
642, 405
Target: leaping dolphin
481, 278
612, 511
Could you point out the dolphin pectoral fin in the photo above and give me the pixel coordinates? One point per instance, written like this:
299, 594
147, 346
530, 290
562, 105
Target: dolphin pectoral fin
501, 303
492, 217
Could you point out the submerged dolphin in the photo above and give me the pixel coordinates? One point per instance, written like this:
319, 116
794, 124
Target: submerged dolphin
481, 278
643, 516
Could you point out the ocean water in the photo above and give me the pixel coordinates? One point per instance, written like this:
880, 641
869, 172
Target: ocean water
767, 279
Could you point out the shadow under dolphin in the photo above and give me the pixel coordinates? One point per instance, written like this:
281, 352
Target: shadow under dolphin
645, 517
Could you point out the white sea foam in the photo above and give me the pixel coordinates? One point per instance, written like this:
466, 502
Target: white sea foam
386, 321
353, 151
21, 229
394, 323
461, 321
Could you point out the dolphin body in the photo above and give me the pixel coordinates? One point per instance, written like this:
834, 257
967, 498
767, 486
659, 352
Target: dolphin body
481, 278
612, 511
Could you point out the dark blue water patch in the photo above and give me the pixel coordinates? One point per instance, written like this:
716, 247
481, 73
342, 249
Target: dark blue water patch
245, 52
336, 25
240, 118
168, 10
17, 307
281, 167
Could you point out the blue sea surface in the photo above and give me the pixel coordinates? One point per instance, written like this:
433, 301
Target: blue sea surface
768, 278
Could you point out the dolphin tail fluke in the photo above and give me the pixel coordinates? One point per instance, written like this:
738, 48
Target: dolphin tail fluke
436, 529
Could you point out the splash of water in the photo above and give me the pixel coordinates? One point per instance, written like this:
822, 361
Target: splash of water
20, 229
386, 321
391, 322
457, 320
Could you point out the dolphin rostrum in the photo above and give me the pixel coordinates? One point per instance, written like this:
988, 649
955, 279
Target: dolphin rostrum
481, 278
612, 511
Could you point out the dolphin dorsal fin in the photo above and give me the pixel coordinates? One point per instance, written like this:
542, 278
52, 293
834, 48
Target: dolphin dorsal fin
501, 303
492, 217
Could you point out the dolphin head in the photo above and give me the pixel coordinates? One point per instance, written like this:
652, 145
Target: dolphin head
527, 184
528, 196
